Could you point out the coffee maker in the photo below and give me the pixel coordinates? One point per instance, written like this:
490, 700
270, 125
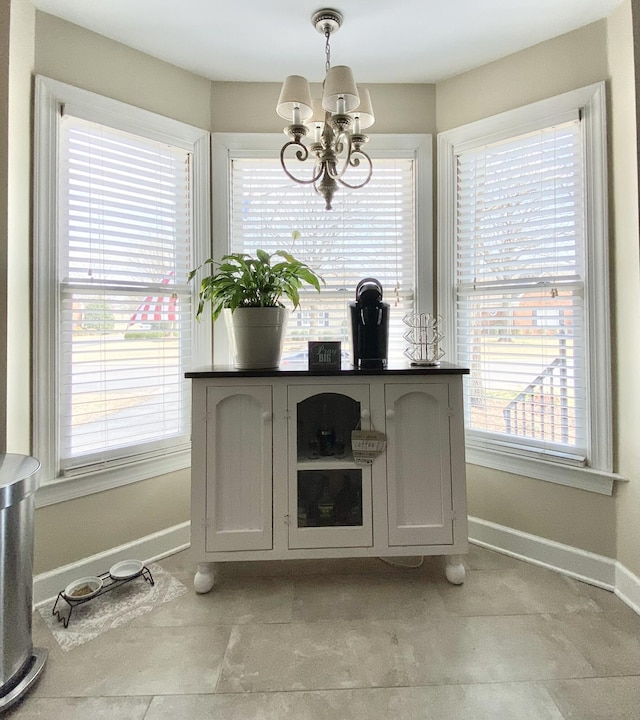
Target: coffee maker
369, 326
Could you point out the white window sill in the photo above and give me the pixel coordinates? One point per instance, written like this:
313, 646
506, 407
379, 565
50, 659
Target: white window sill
585, 478
69, 488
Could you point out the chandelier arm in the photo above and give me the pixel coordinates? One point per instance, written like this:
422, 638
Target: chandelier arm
354, 161
302, 156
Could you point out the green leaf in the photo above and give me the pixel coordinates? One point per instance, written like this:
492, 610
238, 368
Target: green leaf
264, 257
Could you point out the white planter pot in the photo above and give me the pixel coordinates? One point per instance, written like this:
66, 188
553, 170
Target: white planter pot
256, 336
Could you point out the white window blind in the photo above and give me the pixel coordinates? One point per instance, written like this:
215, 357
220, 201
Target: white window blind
125, 307
520, 286
369, 233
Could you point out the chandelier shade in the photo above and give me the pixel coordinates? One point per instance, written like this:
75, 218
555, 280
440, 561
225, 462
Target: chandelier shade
295, 95
340, 94
364, 112
336, 121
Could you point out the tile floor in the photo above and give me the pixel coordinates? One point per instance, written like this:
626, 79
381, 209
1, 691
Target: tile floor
356, 639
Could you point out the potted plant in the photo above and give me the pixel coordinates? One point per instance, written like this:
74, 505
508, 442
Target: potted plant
248, 291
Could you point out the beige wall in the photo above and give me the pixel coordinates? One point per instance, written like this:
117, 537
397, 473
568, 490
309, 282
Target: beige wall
19, 227
567, 515
251, 107
5, 24
578, 518
69, 531
626, 286
76, 56
564, 63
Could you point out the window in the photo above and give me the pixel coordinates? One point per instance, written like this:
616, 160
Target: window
115, 240
523, 251
371, 232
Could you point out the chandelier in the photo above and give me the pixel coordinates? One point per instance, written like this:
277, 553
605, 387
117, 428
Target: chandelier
336, 120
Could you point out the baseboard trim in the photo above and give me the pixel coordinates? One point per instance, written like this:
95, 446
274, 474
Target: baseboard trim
580, 564
588, 567
628, 587
46, 586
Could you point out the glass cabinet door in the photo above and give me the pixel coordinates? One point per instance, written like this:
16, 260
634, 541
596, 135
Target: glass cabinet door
329, 494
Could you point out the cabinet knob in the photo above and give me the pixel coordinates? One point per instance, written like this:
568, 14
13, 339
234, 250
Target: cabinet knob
365, 415
390, 414
266, 416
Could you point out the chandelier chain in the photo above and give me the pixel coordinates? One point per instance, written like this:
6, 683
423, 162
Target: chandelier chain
327, 50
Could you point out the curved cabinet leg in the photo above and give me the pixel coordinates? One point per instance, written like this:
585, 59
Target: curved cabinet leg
454, 569
205, 578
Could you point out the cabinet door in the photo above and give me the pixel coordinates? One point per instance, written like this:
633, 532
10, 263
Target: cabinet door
418, 464
329, 494
239, 468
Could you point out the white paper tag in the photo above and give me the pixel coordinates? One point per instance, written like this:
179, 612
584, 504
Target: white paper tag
366, 445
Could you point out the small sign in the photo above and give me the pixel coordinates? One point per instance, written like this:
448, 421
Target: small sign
367, 445
325, 355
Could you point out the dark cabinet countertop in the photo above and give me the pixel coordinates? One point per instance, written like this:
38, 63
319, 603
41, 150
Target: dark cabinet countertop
301, 370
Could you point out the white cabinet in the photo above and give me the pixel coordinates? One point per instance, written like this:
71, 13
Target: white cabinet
274, 475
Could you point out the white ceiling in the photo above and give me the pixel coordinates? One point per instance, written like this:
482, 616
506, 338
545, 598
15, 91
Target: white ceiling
384, 41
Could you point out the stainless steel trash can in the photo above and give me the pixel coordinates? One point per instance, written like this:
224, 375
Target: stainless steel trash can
20, 663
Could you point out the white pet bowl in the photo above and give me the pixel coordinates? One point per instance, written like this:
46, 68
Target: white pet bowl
126, 569
83, 588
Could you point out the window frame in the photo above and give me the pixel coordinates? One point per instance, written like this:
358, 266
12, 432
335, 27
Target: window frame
227, 146
597, 475
50, 98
